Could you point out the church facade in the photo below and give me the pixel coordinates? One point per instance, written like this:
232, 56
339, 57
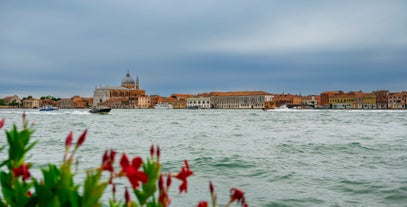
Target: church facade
127, 96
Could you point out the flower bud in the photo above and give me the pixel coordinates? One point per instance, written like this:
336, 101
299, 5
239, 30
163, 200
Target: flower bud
152, 151
68, 140
169, 181
161, 183
127, 196
211, 187
158, 152
82, 138
2, 122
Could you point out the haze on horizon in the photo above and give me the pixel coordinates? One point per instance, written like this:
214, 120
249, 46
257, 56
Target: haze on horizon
66, 48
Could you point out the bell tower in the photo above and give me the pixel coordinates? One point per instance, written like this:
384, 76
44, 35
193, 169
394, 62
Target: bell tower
137, 84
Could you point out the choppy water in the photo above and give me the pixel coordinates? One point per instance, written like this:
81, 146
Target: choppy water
279, 158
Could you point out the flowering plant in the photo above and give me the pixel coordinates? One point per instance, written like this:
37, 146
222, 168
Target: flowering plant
149, 185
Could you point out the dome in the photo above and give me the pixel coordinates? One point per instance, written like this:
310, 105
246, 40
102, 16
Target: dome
127, 80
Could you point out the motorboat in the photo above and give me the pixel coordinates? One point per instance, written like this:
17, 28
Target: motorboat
48, 108
100, 110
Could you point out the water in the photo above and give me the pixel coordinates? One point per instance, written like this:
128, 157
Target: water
279, 158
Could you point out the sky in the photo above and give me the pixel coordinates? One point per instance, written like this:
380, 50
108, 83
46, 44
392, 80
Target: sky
67, 48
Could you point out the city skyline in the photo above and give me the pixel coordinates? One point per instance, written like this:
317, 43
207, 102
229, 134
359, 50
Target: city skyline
69, 48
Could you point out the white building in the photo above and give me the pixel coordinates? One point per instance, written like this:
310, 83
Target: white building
199, 103
240, 99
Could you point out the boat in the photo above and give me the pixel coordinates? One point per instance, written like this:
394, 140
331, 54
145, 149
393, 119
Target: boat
100, 110
48, 108
163, 106
280, 108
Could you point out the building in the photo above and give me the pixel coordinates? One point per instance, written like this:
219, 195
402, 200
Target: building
309, 102
382, 99
397, 100
31, 103
128, 95
286, 100
66, 103
177, 101
325, 98
239, 99
12, 100
199, 102
363, 100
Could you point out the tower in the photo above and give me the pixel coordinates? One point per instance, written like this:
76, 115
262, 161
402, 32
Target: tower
137, 84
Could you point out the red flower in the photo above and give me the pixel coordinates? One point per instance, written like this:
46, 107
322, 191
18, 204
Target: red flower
202, 204
183, 175
22, 171
132, 172
237, 195
108, 160
2, 122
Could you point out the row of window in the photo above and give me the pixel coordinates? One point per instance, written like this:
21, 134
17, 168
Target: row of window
199, 102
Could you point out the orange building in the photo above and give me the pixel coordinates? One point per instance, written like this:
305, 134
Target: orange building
382, 98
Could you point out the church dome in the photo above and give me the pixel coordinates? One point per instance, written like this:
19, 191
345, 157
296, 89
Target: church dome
127, 81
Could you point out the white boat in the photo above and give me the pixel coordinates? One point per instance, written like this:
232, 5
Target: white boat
280, 108
163, 106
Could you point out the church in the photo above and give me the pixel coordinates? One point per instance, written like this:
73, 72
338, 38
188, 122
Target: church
127, 96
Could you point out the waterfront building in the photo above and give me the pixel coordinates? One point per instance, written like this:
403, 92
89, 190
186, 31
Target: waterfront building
397, 100
338, 100
49, 102
12, 100
128, 95
198, 102
177, 101
31, 103
309, 102
369, 101
342, 101
382, 99
66, 103
155, 99
363, 100
287, 100
325, 97
239, 99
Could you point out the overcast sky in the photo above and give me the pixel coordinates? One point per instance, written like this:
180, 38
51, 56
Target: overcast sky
66, 48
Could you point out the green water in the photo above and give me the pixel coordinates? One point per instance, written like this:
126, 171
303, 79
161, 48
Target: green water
278, 158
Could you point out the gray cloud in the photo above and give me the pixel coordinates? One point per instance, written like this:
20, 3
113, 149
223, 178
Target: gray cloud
70, 47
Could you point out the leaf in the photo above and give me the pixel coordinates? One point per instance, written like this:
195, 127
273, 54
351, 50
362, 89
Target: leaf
93, 190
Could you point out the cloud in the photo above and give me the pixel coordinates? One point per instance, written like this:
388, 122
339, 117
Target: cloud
178, 46
325, 26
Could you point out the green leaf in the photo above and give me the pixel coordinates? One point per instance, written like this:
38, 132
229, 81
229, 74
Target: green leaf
93, 190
